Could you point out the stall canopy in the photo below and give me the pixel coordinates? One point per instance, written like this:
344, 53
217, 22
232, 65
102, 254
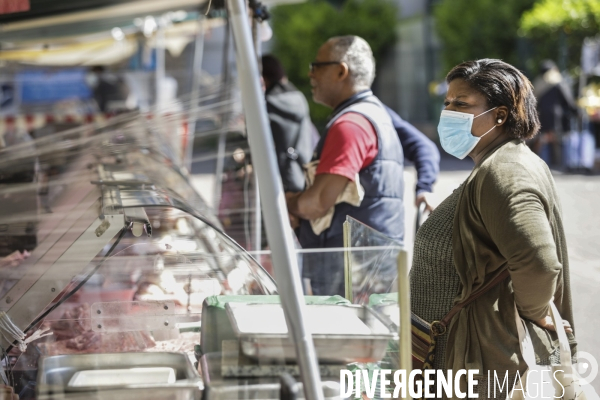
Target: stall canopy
82, 23
49, 18
46, 13
93, 32
104, 48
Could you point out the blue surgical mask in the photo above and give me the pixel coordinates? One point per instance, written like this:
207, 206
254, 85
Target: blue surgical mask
455, 132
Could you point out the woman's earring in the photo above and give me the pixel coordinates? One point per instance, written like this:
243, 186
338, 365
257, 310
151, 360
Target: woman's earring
499, 121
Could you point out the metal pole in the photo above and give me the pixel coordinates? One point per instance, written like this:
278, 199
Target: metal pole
405, 345
160, 62
279, 232
225, 91
257, 209
195, 94
257, 215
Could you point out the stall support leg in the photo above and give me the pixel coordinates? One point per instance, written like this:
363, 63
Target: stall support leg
405, 345
195, 93
160, 65
257, 209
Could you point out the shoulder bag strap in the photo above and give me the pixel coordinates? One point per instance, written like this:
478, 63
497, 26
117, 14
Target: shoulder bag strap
439, 327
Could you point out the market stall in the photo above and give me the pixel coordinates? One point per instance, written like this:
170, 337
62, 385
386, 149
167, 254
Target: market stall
117, 280
127, 282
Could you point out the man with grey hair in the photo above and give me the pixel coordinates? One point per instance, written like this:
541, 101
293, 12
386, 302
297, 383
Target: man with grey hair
363, 138
357, 54
359, 140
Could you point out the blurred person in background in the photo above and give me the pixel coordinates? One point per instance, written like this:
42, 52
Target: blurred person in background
292, 129
109, 90
556, 108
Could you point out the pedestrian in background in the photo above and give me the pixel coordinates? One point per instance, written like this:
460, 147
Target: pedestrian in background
110, 91
557, 109
291, 126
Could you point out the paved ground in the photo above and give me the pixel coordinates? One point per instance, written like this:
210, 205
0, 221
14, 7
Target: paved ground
580, 197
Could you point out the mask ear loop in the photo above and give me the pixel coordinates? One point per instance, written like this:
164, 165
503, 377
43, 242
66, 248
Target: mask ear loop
485, 112
487, 132
481, 115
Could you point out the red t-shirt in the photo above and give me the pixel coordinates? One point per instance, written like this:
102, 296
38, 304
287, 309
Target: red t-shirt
350, 146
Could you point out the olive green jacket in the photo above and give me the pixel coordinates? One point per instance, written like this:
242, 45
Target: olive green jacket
508, 216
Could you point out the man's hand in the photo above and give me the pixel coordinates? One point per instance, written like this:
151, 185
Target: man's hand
289, 195
314, 202
294, 221
547, 323
424, 197
14, 259
289, 198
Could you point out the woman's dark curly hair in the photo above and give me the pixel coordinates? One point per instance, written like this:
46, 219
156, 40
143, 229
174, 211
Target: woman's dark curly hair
502, 85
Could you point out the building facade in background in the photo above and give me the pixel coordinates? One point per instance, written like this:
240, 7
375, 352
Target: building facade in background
405, 75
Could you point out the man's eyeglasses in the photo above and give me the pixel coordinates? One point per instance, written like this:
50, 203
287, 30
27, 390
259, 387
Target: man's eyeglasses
316, 64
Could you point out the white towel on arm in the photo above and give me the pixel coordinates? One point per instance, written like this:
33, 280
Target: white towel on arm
353, 194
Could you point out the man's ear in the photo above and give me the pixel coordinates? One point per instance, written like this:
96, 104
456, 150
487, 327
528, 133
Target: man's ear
344, 72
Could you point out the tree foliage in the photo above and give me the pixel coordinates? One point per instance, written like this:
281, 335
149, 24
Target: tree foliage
561, 25
300, 29
554, 15
472, 29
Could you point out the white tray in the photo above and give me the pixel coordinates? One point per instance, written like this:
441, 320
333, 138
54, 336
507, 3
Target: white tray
121, 377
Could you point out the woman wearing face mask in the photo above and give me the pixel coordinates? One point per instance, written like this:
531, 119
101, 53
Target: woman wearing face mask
499, 235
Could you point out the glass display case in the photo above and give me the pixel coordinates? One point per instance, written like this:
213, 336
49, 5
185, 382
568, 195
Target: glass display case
116, 281
106, 249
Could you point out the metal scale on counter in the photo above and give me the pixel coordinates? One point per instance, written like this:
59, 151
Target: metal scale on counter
246, 345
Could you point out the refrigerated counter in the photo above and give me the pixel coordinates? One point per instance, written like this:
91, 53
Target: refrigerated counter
106, 263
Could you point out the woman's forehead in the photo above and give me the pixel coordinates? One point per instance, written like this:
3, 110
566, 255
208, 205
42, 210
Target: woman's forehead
458, 89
